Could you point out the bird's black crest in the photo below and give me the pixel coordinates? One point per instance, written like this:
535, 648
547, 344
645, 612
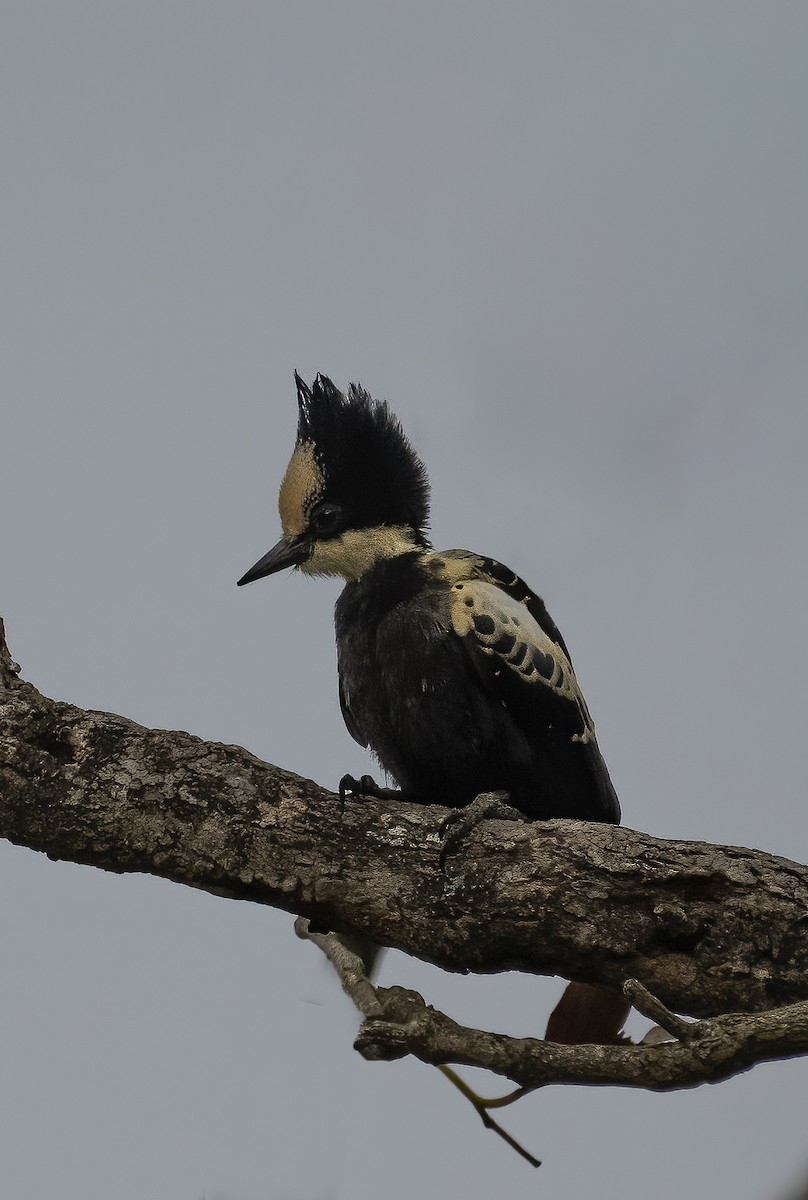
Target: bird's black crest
367, 460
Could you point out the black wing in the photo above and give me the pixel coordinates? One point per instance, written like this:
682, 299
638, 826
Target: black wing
519, 653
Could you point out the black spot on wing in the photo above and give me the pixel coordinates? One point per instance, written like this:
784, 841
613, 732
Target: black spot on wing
504, 644
484, 624
544, 664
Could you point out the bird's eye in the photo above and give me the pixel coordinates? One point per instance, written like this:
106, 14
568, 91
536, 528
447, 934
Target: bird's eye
326, 518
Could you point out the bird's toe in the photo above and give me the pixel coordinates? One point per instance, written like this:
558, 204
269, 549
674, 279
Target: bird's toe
459, 823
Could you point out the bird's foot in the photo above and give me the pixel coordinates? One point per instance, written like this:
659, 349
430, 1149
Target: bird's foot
366, 786
460, 821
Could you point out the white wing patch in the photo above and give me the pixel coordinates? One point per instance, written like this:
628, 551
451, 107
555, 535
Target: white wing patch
503, 628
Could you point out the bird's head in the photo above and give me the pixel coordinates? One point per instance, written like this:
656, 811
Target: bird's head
354, 492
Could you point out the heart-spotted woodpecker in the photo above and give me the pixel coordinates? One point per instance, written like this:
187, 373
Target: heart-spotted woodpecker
451, 670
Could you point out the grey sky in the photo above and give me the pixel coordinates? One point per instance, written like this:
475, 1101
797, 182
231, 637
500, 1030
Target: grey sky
567, 242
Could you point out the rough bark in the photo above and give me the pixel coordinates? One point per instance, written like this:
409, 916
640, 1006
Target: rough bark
708, 929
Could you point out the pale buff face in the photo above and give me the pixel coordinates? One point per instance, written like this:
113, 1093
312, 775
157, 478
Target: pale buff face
301, 487
355, 551
351, 553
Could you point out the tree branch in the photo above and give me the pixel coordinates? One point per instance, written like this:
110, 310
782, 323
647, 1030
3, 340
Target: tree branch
715, 1048
708, 929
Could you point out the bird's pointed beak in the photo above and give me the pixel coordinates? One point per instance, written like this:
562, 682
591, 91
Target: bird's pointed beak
289, 552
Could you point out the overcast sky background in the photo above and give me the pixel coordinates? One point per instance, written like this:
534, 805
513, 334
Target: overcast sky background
567, 241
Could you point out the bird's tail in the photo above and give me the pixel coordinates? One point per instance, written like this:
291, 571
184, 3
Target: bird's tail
588, 1013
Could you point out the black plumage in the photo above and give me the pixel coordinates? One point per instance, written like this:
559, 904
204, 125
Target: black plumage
450, 668
368, 464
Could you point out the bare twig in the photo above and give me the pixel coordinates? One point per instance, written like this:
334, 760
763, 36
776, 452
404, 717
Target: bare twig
655, 1010
482, 1108
358, 987
348, 966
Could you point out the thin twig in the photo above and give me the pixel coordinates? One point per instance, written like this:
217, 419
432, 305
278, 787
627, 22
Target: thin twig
349, 968
656, 1011
482, 1106
357, 986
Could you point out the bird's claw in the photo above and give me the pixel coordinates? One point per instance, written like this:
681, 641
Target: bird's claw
348, 786
365, 786
460, 821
